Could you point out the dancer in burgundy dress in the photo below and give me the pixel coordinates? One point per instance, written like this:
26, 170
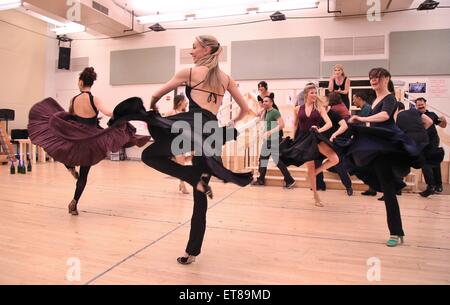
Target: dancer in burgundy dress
75, 138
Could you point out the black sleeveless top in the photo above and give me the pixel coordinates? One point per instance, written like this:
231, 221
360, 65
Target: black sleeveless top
92, 120
344, 97
212, 97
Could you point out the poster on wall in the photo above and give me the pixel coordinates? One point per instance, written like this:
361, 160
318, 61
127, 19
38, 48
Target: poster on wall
290, 97
417, 87
438, 87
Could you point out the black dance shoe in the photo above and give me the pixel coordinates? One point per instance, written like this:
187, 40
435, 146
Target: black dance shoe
289, 184
186, 260
427, 192
207, 190
369, 192
349, 191
258, 182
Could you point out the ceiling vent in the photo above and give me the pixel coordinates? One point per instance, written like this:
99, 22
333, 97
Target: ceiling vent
102, 9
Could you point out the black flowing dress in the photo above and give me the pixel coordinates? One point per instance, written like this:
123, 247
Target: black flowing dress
384, 140
196, 130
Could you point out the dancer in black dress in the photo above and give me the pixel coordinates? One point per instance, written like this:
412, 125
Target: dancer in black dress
179, 105
338, 129
74, 138
205, 85
381, 155
309, 144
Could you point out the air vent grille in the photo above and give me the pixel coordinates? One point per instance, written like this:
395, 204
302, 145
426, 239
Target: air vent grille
97, 6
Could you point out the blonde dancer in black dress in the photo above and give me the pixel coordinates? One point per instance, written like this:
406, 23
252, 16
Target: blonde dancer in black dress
179, 105
205, 85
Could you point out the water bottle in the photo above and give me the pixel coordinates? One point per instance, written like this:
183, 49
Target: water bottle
12, 169
22, 170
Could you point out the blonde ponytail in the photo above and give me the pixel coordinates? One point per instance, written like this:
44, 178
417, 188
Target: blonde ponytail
211, 61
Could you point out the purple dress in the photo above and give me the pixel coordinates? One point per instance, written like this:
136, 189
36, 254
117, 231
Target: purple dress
305, 145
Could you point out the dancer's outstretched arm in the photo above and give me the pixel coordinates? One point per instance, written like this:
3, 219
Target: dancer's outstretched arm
178, 80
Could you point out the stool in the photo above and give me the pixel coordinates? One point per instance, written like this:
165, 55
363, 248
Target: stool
42, 155
25, 145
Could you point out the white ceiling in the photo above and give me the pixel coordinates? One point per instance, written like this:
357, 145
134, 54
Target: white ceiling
147, 7
119, 22
353, 7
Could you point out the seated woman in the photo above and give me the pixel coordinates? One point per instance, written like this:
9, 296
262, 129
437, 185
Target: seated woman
338, 106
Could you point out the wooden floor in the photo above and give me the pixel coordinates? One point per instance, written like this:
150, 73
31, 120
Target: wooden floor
133, 224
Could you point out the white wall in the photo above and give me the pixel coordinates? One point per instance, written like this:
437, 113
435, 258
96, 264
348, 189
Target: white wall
22, 64
99, 51
62, 85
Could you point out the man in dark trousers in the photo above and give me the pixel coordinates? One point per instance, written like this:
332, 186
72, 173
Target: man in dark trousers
415, 124
432, 172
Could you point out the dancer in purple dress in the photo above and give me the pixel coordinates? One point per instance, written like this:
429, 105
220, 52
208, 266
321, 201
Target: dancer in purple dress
75, 138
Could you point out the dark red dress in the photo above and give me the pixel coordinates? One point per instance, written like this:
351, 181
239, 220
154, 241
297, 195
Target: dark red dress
305, 145
72, 141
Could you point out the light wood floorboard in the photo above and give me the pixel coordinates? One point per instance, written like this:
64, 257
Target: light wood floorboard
133, 223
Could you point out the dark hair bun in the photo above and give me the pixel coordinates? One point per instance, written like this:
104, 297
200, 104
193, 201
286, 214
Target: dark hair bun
88, 76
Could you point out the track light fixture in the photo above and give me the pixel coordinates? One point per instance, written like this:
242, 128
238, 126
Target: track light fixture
278, 16
428, 5
157, 28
